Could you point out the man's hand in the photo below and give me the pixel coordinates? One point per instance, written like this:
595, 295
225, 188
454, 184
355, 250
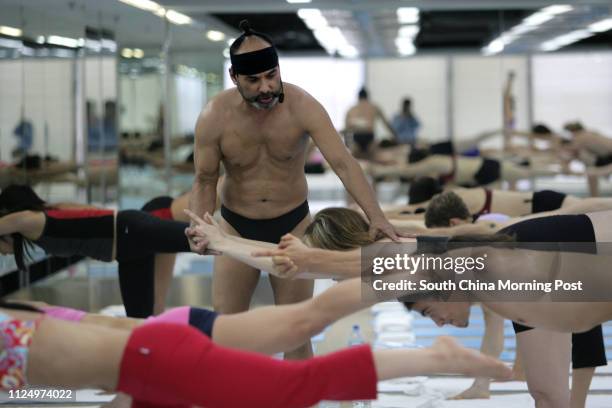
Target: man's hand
381, 227
290, 258
203, 233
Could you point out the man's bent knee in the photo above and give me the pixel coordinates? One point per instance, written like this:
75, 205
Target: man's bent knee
545, 399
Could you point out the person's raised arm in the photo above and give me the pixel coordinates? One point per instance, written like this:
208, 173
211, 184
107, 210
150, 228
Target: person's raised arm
317, 123
471, 142
207, 158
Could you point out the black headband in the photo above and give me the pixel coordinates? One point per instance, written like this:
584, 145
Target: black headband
254, 62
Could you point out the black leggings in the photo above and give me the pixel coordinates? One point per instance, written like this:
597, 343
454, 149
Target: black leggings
140, 236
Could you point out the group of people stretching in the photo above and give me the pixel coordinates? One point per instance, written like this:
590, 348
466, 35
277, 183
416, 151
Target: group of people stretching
192, 356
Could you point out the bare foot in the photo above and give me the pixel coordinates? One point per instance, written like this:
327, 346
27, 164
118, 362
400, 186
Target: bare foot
456, 359
121, 400
473, 393
517, 375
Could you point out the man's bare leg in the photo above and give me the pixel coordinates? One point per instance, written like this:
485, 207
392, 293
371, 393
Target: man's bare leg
581, 382
518, 372
233, 282
492, 345
164, 269
293, 291
546, 357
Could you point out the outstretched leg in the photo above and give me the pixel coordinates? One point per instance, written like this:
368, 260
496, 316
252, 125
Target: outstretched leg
170, 364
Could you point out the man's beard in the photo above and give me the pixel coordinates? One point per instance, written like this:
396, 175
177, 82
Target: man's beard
255, 101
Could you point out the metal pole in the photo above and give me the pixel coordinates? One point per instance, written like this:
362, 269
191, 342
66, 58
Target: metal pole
166, 92
450, 94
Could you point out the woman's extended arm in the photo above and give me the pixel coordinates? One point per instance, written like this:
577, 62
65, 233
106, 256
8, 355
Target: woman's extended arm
207, 231
288, 326
471, 142
293, 259
428, 166
28, 223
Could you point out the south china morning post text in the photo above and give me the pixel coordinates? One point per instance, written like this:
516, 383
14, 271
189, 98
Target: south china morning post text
393, 270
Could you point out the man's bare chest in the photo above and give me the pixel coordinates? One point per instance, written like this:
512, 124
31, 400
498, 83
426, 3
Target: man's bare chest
248, 141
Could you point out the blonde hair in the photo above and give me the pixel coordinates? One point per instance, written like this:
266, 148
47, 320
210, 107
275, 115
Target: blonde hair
338, 229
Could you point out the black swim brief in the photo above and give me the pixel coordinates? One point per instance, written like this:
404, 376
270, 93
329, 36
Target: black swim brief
489, 172
546, 200
267, 230
442, 148
363, 140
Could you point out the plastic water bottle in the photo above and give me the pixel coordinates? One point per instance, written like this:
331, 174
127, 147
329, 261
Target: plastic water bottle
356, 339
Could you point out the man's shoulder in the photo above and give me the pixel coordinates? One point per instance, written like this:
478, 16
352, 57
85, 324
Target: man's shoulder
214, 116
296, 94
221, 101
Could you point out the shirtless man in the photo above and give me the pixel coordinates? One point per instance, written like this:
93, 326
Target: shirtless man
259, 131
360, 121
597, 147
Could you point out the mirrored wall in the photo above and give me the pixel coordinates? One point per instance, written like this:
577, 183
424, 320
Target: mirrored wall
58, 112
162, 93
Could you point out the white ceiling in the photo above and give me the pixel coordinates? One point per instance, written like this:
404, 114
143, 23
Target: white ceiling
232, 6
132, 27
137, 28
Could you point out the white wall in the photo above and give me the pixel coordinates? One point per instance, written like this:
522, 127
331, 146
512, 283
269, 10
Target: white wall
187, 99
333, 82
478, 93
46, 94
424, 80
141, 97
570, 87
140, 102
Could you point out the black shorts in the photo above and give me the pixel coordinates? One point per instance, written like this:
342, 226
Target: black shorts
267, 230
546, 200
555, 229
363, 140
603, 160
442, 148
489, 172
314, 168
588, 349
203, 320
